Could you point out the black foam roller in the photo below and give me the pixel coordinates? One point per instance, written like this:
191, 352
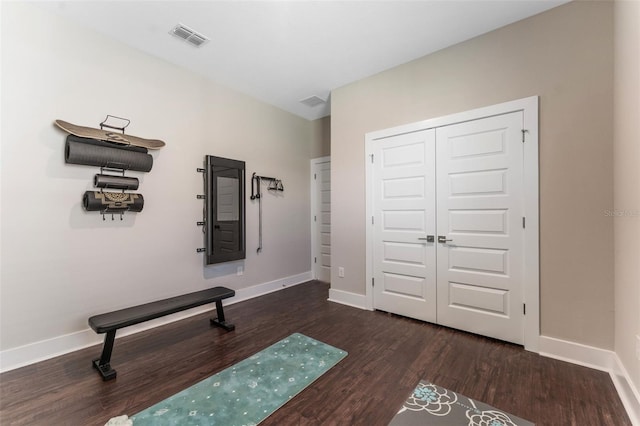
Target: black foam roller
112, 202
115, 182
89, 153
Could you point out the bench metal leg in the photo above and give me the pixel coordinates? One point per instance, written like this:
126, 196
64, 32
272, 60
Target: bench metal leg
103, 364
220, 322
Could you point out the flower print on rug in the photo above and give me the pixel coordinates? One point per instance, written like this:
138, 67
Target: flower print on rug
432, 405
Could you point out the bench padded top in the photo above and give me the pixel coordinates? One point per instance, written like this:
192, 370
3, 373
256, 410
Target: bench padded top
110, 321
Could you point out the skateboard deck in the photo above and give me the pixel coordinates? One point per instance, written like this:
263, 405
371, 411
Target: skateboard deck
109, 136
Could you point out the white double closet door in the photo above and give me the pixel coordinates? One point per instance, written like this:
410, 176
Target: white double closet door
448, 226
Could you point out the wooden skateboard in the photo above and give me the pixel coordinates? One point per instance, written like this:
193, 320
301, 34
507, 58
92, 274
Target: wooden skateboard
109, 136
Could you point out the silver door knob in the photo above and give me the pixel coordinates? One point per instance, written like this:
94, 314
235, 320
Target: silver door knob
428, 238
443, 239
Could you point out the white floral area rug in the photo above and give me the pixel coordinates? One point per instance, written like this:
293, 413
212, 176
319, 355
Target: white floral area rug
432, 405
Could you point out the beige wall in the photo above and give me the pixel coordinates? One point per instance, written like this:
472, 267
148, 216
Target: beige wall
321, 137
626, 203
60, 264
565, 56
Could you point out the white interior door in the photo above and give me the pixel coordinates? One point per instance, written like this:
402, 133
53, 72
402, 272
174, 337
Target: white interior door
404, 196
321, 218
479, 214
465, 181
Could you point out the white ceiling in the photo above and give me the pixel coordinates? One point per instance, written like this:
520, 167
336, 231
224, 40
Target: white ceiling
284, 51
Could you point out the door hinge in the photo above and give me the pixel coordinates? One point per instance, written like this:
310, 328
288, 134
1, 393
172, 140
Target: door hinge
373, 282
371, 158
315, 260
372, 220
524, 309
315, 219
314, 176
523, 222
523, 132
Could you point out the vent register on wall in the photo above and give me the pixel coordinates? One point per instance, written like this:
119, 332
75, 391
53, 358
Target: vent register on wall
115, 153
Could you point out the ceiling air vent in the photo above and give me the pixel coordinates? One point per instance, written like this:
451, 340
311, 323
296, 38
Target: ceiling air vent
313, 101
190, 36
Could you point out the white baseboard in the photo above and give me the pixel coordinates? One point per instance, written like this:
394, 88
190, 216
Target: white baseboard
599, 359
266, 288
347, 298
576, 353
31, 353
626, 390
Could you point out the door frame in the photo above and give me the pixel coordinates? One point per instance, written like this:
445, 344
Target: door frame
531, 273
314, 162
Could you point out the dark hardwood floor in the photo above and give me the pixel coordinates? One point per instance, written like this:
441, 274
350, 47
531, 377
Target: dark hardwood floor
388, 355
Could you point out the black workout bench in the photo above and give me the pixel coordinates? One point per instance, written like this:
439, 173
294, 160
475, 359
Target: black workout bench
112, 321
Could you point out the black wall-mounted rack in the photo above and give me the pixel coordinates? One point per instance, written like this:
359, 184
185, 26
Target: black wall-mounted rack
114, 160
223, 215
275, 184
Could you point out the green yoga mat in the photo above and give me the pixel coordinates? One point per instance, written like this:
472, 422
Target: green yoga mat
249, 391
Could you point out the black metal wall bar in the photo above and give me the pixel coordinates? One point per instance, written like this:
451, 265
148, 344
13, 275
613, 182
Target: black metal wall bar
275, 184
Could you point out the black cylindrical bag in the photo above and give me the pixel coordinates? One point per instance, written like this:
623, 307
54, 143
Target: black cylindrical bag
112, 202
91, 152
115, 182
